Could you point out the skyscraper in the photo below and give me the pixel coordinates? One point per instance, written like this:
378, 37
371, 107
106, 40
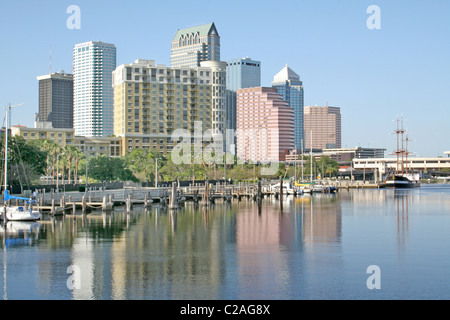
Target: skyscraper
93, 64
325, 125
55, 101
152, 101
288, 84
241, 73
192, 45
265, 125
218, 80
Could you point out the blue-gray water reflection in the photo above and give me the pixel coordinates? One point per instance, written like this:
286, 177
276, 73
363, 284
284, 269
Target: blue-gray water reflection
314, 247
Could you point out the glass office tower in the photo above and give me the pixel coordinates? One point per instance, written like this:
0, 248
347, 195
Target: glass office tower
288, 84
241, 73
56, 100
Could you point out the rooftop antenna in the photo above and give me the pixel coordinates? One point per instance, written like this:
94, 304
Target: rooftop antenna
50, 60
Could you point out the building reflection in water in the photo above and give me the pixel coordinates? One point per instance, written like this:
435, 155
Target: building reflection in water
240, 250
270, 244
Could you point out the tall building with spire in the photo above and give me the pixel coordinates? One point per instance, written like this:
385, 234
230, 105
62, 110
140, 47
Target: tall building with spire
192, 45
289, 86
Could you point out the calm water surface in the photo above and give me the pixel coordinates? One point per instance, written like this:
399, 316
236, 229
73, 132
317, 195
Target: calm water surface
314, 247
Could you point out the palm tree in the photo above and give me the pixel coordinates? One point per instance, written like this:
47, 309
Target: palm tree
70, 151
48, 146
78, 155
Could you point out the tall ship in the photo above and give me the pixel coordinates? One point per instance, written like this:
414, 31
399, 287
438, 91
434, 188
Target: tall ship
403, 178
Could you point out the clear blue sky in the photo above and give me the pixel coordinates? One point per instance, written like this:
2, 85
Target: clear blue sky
373, 75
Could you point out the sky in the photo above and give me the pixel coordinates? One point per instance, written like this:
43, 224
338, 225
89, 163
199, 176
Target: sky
373, 75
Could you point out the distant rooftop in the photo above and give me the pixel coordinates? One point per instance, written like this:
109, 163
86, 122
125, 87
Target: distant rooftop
200, 30
286, 74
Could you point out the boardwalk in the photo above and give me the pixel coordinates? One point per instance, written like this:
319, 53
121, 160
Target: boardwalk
99, 199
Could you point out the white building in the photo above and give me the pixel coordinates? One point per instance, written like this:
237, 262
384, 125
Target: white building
219, 78
93, 64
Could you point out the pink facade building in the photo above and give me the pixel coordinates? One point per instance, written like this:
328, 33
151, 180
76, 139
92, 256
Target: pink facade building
264, 125
325, 125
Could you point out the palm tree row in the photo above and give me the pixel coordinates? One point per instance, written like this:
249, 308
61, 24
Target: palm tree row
59, 158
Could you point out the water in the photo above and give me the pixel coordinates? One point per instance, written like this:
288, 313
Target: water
316, 247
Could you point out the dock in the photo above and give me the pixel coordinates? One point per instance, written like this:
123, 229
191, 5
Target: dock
172, 197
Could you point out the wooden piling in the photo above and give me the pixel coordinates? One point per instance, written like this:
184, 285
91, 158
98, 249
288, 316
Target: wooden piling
83, 204
195, 196
206, 195
173, 197
53, 207
281, 193
259, 196
106, 206
128, 204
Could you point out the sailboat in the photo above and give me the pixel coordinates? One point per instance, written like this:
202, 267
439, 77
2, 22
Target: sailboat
402, 179
10, 212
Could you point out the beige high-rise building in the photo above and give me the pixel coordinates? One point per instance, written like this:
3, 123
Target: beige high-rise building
325, 125
151, 101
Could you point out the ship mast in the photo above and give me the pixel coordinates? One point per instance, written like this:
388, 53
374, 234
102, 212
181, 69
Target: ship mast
400, 151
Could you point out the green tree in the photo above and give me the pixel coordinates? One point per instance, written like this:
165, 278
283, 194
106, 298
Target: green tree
327, 166
104, 168
142, 163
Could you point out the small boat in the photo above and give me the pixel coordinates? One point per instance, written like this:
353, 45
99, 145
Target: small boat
288, 188
16, 213
304, 187
318, 188
20, 213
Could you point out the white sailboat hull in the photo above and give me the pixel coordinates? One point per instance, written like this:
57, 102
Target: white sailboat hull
20, 214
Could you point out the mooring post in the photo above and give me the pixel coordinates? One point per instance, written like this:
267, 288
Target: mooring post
259, 190
128, 204
206, 192
195, 196
62, 204
281, 192
173, 196
83, 204
53, 207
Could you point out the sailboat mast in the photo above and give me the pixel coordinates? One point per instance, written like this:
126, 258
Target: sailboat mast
310, 152
7, 118
397, 151
403, 150
6, 148
302, 155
